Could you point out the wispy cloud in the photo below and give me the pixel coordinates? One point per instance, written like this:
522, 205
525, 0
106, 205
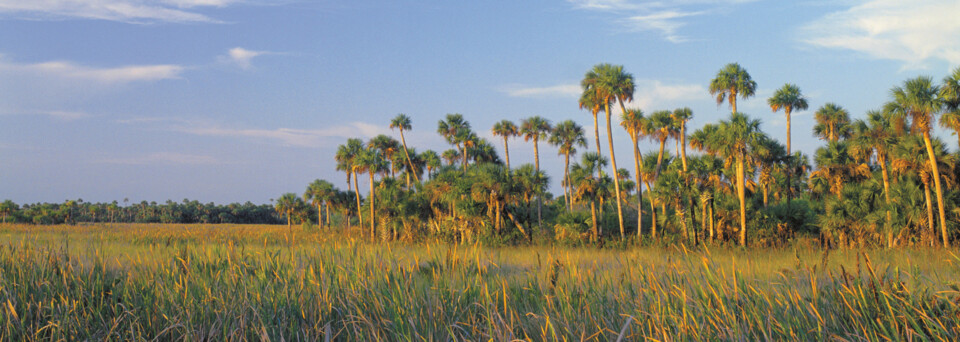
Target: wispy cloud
290, 136
561, 90
663, 17
130, 11
240, 57
112, 75
165, 158
914, 32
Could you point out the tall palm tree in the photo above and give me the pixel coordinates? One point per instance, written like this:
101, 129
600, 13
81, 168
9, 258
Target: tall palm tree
320, 193
610, 83
918, 99
458, 133
591, 184
731, 81
876, 137
788, 98
388, 148
347, 159
506, 129
680, 117
833, 122
402, 122
736, 140
567, 135
536, 128
907, 158
371, 162
633, 122
836, 167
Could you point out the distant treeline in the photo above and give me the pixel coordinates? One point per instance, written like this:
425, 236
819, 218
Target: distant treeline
76, 211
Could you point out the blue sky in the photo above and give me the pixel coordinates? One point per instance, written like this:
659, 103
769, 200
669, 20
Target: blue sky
235, 100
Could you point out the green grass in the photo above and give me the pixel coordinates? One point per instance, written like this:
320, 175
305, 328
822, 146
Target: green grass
192, 282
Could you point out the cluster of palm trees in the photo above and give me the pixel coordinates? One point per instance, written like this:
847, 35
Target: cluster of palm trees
742, 184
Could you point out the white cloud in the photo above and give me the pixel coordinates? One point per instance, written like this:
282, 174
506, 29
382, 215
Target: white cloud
131, 11
115, 75
166, 158
291, 136
560, 90
240, 57
663, 17
914, 32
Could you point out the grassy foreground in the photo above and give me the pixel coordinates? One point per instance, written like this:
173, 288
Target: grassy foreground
176, 282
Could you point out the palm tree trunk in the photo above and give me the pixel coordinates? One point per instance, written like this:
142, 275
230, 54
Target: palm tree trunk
568, 189
765, 195
616, 180
536, 158
653, 216
787, 110
636, 165
407, 154
683, 146
596, 132
733, 100
741, 193
506, 151
939, 189
593, 216
319, 216
373, 217
356, 187
886, 194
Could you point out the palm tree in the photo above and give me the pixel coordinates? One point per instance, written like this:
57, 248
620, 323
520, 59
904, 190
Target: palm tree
737, 139
458, 133
633, 122
371, 162
833, 122
402, 122
918, 99
388, 148
536, 128
876, 136
659, 126
836, 167
591, 184
506, 129
431, 160
8, 208
347, 161
610, 83
286, 205
788, 98
907, 158
680, 117
320, 193
567, 136
731, 81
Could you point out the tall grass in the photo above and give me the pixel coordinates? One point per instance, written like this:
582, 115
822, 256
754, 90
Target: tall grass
175, 282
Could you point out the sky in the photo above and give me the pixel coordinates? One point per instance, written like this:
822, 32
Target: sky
244, 100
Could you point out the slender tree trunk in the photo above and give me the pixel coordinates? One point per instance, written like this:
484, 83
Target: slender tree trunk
741, 193
409, 163
463, 153
593, 216
653, 216
939, 189
636, 165
568, 189
356, 187
733, 100
765, 195
596, 132
319, 216
536, 158
703, 216
930, 226
373, 217
616, 180
886, 194
787, 110
506, 151
683, 145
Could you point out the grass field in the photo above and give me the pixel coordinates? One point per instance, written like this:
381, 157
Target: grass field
232, 282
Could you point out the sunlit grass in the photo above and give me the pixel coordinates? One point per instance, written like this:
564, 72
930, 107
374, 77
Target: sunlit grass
223, 282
